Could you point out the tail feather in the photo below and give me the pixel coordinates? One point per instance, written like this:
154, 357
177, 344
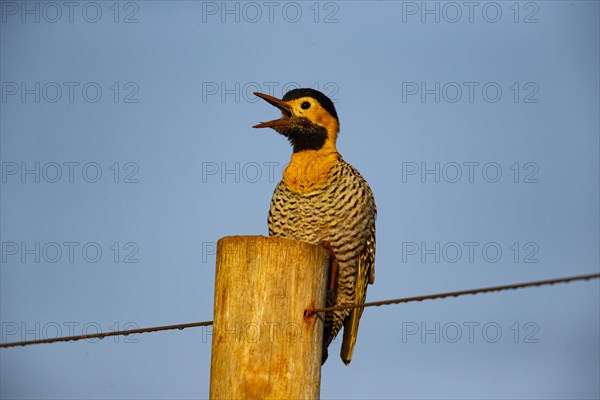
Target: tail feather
350, 334
363, 275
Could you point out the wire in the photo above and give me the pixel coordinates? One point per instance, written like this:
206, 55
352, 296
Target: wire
311, 312
106, 334
459, 293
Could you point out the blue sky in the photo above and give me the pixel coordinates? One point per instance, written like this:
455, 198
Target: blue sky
127, 152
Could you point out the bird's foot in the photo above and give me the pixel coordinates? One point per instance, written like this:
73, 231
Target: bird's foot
332, 263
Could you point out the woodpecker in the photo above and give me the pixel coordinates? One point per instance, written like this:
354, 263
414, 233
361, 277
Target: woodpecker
322, 199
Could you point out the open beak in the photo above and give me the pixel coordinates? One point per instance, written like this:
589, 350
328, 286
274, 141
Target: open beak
286, 112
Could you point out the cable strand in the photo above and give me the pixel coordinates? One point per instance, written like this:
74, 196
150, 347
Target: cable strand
457, 293
102, 335
314, 311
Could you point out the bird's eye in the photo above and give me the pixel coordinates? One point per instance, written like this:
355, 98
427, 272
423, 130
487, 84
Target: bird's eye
305, 105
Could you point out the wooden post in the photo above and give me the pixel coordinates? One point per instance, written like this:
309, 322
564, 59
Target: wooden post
263, 347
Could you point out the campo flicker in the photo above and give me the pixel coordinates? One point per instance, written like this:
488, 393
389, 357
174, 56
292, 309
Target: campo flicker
322, 199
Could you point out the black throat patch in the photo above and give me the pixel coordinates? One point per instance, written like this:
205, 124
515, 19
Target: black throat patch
304, 135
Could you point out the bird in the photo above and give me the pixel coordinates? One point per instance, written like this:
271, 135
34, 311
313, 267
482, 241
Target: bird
322, 199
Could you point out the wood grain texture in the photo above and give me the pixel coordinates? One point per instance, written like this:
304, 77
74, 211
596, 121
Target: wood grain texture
263, 347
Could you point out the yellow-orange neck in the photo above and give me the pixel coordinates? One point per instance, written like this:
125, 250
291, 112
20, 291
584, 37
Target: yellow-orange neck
308, 170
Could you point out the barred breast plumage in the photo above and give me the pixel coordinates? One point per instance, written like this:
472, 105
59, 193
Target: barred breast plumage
341, 212
323, 198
